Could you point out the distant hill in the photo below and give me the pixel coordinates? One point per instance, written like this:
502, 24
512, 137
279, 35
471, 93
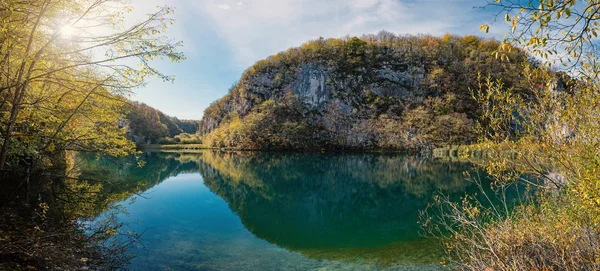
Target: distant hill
375, 92
149, 125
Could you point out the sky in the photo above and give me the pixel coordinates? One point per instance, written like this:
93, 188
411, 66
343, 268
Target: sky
224, 37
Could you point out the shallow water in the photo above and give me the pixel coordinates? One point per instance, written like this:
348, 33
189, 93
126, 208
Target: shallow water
277, 211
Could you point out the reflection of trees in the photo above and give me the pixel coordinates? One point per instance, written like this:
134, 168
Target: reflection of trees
117, 179
329, 201
313, 203
317, 204
52, 217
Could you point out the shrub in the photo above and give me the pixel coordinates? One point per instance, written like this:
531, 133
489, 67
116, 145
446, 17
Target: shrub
556, 143
548, 233
167, 140
186, 138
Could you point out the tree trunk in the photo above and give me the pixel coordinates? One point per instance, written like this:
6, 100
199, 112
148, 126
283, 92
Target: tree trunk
21, 87
11, 125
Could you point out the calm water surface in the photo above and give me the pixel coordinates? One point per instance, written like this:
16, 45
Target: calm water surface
277, 211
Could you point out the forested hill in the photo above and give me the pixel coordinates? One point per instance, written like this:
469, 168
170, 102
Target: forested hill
377, 91
149, 125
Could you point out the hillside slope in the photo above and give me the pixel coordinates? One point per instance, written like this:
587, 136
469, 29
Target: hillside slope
149, 125
378, 91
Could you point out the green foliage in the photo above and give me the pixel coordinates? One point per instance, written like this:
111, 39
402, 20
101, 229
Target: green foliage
148, 125
66, 68
187, 126
268, 126
145, 121
62, 75
167, 141
186, 138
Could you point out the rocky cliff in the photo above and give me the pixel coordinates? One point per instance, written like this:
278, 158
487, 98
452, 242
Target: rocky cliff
378, 91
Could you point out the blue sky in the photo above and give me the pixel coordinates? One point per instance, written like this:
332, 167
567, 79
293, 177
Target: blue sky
224, 37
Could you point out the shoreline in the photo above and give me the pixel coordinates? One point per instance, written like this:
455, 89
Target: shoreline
200, 147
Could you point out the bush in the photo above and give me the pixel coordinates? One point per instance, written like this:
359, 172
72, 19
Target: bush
555, 142
167, 140
550, 233
186, 138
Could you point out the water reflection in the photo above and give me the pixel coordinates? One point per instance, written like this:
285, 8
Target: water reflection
302, 201
335, 207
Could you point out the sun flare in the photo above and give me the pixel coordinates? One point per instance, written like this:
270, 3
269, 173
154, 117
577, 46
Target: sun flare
68, 31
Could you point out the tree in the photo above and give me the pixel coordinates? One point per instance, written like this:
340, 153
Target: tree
65, 66
551, 153
563, 31
145, 122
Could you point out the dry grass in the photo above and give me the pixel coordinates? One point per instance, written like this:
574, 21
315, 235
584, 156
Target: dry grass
551, 233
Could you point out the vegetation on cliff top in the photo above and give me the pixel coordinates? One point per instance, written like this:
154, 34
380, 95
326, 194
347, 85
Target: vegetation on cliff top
377, 91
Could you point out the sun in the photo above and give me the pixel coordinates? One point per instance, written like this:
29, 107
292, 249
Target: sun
68, 31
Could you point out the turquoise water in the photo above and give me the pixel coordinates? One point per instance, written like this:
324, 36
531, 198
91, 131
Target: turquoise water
278, 211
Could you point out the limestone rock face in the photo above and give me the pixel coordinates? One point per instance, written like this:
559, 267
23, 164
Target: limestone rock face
310, 86
352, 91
318, 86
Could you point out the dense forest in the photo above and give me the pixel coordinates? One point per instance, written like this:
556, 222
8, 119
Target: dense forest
149, 125
375, 92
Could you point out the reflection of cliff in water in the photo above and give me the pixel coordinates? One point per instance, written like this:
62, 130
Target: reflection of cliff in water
325, 206
330, 201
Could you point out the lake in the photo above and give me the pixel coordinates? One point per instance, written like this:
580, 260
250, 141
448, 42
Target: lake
216, 210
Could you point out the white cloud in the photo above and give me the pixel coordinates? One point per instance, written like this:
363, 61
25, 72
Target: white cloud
223, 37
254, 29
362, 4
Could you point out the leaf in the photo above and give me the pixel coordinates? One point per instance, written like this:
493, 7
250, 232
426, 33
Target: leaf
485, 28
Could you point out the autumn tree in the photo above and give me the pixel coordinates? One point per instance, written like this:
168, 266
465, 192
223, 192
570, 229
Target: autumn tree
552, 151
65, 68
562, 32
